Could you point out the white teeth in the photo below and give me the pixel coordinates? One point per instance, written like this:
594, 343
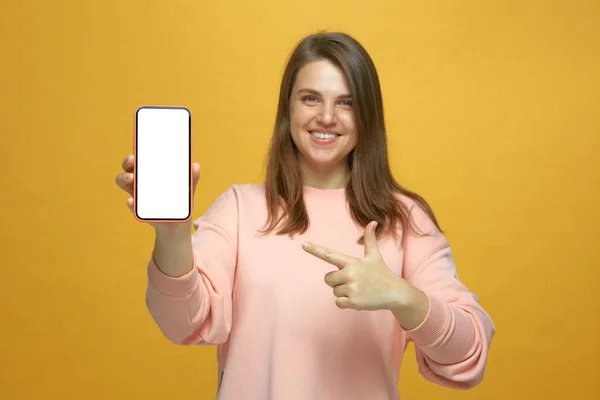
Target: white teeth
323, 135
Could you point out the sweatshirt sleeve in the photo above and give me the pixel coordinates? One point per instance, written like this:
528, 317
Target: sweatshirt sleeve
453, 341
196, 308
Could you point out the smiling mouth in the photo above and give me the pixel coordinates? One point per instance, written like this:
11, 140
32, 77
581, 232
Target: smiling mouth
323, 136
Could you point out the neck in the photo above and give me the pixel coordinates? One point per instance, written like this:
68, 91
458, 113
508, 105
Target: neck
325, 177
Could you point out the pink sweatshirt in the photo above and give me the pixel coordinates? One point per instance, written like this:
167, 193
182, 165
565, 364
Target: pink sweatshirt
263, 301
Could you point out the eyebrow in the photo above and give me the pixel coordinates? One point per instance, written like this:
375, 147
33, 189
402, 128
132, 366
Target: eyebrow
315, 92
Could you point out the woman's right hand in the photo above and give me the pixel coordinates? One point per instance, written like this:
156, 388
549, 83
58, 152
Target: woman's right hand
125, 181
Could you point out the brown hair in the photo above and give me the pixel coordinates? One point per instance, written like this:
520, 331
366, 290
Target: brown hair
370, 191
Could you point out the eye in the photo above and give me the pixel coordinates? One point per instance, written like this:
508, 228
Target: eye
310, 99
347, 103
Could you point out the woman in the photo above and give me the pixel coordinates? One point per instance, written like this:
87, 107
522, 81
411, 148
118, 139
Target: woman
312, 284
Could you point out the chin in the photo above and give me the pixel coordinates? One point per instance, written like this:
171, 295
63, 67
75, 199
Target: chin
324, 161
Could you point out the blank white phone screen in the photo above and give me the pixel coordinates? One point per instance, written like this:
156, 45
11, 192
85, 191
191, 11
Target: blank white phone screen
163, 163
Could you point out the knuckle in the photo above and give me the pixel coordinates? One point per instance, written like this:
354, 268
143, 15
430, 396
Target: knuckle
351, 289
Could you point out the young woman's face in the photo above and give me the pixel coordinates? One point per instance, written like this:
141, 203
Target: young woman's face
321, 117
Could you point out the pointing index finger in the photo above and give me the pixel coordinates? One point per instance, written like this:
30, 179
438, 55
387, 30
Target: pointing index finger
327, 255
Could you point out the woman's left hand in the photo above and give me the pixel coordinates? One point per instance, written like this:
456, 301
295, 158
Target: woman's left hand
364, 283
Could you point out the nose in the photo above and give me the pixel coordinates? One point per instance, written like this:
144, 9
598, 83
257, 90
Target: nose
327, 114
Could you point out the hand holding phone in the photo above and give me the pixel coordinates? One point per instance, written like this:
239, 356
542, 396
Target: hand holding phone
159, 175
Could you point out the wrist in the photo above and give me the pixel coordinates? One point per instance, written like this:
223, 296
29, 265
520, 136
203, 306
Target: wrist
404, 296
172, 231
410, 306
173, 253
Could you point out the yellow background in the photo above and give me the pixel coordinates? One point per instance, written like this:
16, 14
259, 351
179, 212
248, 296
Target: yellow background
493, 115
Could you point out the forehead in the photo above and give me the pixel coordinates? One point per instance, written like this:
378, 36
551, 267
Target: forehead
323, 76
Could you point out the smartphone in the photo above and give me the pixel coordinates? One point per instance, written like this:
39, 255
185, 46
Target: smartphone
162, 185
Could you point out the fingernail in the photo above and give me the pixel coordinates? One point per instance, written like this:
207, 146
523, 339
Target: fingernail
305, 245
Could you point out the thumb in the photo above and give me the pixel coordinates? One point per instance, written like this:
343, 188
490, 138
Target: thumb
371, 248
195, 176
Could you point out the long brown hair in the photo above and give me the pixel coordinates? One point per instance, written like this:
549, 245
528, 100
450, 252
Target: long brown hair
371, 189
